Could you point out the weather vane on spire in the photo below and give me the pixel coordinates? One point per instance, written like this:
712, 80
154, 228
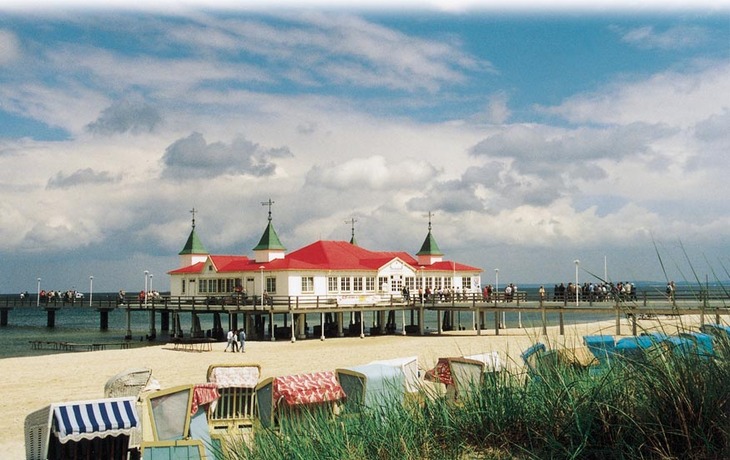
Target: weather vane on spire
352, 223
269, 203
430, 214
193, 211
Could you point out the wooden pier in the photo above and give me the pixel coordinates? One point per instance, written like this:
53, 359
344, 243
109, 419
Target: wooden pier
385, 314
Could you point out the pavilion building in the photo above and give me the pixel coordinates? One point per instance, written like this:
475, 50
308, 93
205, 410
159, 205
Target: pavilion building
338, 270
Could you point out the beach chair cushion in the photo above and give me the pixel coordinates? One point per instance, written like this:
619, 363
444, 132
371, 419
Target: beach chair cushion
441, 373
312, 388
235, 376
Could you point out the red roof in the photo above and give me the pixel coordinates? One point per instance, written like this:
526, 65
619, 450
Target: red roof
323, 255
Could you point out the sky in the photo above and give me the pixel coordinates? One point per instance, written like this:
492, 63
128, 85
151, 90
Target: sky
534, 136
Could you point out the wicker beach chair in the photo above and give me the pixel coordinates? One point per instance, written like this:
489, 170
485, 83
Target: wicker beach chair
282, 400
236, 407
130, 382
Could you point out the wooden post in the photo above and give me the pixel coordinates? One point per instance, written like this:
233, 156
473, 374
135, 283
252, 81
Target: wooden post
128, 335
51, 317
362, 324
271, 326
633, 322
104, 320
164, 321
544, 317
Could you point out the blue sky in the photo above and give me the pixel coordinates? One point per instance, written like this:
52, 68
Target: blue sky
536, 136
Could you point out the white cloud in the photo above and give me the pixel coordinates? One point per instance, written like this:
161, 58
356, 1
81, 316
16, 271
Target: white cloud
373, 173
9, 47
676, 37
675, 98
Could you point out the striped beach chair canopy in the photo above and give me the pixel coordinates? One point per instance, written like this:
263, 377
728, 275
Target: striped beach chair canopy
74, 421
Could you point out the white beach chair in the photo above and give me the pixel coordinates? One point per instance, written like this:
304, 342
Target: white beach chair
372, 385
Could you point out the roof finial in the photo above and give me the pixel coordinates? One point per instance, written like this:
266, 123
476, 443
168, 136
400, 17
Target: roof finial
430, 214
352, 223
269, 203
193, 211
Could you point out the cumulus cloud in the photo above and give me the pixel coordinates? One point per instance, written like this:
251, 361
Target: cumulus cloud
677, 37
193, 157
453, 196
131, 115
80, 178
373, 173
540, 148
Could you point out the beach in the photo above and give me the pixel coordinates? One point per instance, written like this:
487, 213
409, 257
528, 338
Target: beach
31, 383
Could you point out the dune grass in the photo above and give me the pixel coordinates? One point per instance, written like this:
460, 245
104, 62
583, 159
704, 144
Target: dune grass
664, 405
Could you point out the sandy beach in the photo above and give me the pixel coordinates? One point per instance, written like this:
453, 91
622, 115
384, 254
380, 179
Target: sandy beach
31, 383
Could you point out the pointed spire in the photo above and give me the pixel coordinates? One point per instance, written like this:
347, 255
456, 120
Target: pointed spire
269, 240
193, 245
429, 246
352, 222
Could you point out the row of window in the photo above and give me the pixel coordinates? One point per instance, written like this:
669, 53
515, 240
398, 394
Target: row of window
335, 284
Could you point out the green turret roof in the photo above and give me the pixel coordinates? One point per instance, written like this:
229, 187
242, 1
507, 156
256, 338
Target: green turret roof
269, 240
429, 247
193, 245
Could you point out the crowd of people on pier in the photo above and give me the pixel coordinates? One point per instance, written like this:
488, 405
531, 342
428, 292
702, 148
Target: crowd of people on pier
70, 296
594, 292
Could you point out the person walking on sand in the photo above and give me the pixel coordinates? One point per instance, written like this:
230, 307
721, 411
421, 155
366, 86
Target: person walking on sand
235, 340
242, 340
230, 341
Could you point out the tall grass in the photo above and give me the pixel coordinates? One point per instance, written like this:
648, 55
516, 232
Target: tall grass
664, 405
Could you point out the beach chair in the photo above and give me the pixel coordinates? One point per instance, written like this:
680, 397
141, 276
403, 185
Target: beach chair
468, 372
130, 382
409, 366
602, 347
704, 343
179, 413
462, 373
635, 348
98, 428
185, 449
720, 332
372, 386
283, 399
236, 407
531, 358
